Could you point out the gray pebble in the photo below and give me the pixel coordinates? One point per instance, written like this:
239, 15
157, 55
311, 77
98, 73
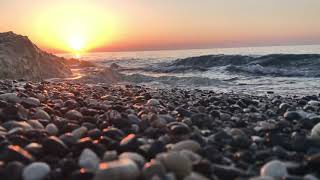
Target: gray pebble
89, 160
36, 171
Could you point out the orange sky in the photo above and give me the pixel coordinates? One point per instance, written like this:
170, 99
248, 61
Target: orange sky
111, 25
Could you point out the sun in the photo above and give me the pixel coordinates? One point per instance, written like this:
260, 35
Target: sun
76, 43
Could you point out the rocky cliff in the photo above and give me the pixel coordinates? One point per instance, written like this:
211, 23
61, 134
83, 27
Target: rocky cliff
21, 59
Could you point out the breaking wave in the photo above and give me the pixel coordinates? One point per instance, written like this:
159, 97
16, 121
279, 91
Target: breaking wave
273, 65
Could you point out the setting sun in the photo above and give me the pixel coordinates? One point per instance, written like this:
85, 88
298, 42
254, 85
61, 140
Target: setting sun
74, 28
77, 43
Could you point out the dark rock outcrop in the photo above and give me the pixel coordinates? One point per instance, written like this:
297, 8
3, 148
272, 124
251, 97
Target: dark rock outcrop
21, 59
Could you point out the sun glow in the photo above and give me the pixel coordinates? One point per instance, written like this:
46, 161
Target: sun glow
75, 29
77, 43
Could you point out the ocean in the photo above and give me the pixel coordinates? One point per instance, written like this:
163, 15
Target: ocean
283, 70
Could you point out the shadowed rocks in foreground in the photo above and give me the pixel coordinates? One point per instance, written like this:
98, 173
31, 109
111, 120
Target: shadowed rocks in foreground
21, 59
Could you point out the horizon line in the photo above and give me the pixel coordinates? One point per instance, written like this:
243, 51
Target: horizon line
181, 49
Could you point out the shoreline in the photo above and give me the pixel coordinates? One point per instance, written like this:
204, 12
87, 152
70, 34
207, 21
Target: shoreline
145, 132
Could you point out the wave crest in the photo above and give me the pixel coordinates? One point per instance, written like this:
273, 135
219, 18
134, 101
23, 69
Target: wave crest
273, 64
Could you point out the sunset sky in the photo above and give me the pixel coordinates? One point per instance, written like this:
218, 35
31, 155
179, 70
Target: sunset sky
114, 25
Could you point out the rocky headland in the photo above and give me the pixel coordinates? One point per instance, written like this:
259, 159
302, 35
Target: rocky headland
21, 59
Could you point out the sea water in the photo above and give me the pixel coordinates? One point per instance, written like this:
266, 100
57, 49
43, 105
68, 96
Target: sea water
247, 69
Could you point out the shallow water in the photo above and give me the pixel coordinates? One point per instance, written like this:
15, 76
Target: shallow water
147, 67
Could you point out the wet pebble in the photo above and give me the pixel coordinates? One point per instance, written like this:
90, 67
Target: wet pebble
73, 115
41, 114
292, 115
17, 153
10, 97
153, 102
79, 132
176, 162
13, 170
186, 145
89, 160
55, 146
137, 158
315, 132
31, 102
274, 169
123, 169
152, 169
52, 129
36, 171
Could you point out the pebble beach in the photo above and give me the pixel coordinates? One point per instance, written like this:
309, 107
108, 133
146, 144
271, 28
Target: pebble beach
74, 131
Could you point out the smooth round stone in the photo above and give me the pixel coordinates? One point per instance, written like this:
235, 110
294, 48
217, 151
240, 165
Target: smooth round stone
284, 106
274, 168
315, 132
137, 158
52, 129
41, 114
73, 115
68, 139
195, 176
110, 156
79, 132
55, 146
95, 133
130, 142
13, 171
183, 112
15, 124
314, 103
31, 102
153, 168
194, 157
36, 171
34, 148
159, 123
17, 130
176, 162
292, 115
134, 119
123, 169
225, 116
310, 177
201, 120
71, 103
35, 124
153, 102
167, 118
10, 97
186, 145
179, 128
89, 160
227, 171
16, 153
266, 125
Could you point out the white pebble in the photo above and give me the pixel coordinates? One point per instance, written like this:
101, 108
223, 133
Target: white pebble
274, 168
315, 132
